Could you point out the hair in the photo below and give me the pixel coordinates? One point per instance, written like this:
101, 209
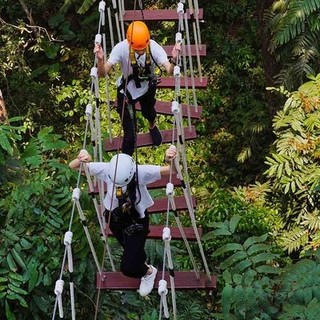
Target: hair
132, 187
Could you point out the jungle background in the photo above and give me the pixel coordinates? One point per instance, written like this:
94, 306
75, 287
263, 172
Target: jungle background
254, 168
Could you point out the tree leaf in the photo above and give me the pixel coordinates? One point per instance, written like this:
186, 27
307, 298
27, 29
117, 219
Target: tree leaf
253, 240
9, 314
234, 222
17, 289
267, 270
11, 263
255, 248
239, 255
18, 259
226, 248
263, 257
226, 298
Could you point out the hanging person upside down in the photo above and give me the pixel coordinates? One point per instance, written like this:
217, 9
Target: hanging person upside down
137, 55
126, 204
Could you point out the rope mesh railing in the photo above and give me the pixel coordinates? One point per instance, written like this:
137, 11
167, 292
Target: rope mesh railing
178, 135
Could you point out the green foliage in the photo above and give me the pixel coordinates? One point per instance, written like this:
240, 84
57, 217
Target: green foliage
9, 136
248, 274
295, 28
33, 214
299, 290
293, 166
236, 115
256, 287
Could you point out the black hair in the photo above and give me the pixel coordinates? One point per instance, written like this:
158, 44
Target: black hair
132, 187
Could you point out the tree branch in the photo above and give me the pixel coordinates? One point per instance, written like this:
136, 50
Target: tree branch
3, 111
29, 16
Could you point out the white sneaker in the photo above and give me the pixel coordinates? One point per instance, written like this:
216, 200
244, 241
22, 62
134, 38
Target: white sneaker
147, 282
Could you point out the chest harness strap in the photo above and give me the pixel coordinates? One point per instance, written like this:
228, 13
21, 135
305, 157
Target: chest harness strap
139, 73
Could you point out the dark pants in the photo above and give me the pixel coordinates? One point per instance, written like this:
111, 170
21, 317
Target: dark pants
129, 124
134, 256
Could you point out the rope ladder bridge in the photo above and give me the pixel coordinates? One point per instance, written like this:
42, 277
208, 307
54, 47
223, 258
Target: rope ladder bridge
184, 78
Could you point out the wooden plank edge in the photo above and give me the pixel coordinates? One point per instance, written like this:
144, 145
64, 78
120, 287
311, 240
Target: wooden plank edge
202, 50
164, 107
169, 82
161, 204
144, 139
157, 15
156, 232
184, 280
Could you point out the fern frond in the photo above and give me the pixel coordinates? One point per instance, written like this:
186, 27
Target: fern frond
295, 239
287, 25
311, 221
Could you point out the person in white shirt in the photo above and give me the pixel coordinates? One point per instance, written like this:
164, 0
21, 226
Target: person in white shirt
138, 55
126, 203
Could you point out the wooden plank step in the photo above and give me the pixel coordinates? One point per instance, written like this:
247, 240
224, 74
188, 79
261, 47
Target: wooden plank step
156, 15
144, 139
160, 205
183, 280
156, 233
164, 107
202, 50
168, 83
162, 183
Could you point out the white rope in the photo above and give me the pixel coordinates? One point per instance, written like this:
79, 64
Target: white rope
193, 220
170, 195
67, 242
196, 39
114, 4
184, 63
75, 198
190, 61
196, 9
163, 291
72, 300
166, 237
69, 229
121, 13
176, 74
180, 11
190, 5
107, 93
179, 40
103, 41
94, 76
176, 110
110, 27
185, 184
58, 291
100, 219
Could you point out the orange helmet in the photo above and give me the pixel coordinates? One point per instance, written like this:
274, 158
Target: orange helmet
138, 35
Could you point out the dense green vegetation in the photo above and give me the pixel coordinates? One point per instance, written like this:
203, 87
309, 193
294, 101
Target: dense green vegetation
255, 166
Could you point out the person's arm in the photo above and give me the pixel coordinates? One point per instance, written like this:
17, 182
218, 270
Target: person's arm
83, 156
103, 68
170, 64
171, 153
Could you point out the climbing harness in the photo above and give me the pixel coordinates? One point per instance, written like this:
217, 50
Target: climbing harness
140, 73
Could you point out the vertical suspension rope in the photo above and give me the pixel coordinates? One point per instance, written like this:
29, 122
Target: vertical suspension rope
121, 13
190, 61
114, 4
